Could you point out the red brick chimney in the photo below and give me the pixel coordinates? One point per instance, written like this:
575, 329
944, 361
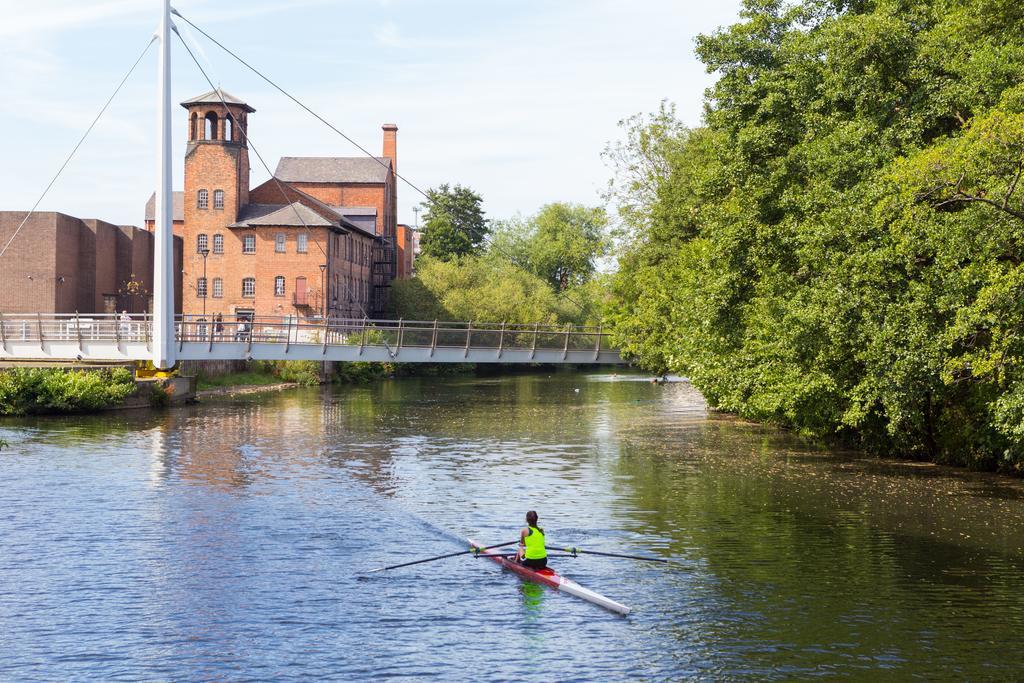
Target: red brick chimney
391, 144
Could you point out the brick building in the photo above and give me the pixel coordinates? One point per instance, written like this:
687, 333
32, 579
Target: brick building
317, 239
405, 251
62, 264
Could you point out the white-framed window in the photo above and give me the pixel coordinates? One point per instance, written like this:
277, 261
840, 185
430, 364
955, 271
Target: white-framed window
218, 199
201, 287
279, 243
279, 285
203, 199
249, 287
302, 243
218, 244
202, 243
218, 288
249, 244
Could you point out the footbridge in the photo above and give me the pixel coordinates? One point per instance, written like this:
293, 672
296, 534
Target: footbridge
112, 338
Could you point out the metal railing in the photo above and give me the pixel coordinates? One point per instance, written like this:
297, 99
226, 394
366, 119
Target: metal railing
393, 335
71, 327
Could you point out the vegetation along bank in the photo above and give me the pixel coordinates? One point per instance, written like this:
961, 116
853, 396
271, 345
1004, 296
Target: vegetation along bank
840, 247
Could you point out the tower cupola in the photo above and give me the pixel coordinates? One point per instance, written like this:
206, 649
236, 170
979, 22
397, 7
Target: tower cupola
210, 121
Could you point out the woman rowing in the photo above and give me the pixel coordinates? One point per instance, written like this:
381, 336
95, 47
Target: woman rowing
532, 552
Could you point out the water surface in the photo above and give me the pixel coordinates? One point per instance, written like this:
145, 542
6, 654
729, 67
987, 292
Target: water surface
224, 541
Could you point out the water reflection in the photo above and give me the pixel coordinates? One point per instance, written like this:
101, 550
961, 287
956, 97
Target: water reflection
533, 599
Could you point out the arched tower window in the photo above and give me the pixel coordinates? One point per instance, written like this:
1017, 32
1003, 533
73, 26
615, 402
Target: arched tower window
210, 127
229, 128
193, 130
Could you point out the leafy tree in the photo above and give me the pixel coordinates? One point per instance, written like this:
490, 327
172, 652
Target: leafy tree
454, 223
839, 248
567, 241
482, 288
561, 244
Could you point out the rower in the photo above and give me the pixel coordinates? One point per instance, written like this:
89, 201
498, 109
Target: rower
532, 552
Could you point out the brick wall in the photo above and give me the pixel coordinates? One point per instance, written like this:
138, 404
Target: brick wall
28, 267
62, 264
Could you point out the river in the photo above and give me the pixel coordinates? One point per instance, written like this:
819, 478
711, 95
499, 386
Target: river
225, 542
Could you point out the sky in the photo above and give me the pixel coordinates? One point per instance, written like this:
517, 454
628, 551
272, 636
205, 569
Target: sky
515, 99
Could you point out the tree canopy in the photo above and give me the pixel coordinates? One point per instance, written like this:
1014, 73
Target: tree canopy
839, 247
454, 224
561, 243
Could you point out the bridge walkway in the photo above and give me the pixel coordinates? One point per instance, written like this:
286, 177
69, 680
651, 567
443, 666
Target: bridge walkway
112, 337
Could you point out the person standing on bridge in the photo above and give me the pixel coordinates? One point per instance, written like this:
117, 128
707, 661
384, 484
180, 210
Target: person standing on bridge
532, 552
126, 323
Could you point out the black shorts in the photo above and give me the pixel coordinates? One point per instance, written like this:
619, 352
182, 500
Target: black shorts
535, 564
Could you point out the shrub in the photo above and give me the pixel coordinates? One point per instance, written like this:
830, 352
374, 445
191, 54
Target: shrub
28, 391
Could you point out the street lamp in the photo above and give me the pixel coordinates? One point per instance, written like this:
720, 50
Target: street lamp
323, 294
206, 285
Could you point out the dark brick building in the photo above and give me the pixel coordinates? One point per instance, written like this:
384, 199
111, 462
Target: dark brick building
62, 264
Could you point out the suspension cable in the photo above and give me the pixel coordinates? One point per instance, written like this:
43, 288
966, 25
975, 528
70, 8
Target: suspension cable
77, 146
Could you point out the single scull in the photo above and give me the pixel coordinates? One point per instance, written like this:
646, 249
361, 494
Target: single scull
548, 577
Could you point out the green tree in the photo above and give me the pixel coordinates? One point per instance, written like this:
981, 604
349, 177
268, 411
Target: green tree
839, 248
567, 241
481, 288
454, 223
561, 243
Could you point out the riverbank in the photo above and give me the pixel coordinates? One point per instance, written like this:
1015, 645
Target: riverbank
243, 389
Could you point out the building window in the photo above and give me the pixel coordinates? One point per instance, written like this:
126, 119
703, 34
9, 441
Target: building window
192, 127
218, 244
202, 243
203, 200
229, 128
249, 287
279, 285
201, 287
302, 243
218, 288
279, 242
218, 199
249, 244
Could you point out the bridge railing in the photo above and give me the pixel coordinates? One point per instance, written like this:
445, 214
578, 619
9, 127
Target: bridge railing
393, 334
75, 327
288, 330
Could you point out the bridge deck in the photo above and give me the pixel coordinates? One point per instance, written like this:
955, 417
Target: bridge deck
48, 337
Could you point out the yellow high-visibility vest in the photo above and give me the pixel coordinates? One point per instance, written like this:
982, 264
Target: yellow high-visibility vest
535, 549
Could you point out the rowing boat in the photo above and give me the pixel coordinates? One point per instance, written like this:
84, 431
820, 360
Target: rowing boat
548, 577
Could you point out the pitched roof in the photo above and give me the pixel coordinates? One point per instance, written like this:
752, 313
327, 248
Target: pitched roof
319, 207
356, 210
179, 207
214, 97
294, 214
333, 169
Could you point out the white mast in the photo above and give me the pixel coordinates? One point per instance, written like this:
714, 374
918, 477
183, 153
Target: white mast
163, 237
